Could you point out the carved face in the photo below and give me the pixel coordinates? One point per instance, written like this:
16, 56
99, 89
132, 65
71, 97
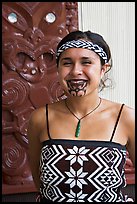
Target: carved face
80, 71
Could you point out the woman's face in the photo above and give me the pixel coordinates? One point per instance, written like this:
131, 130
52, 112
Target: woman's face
80, 71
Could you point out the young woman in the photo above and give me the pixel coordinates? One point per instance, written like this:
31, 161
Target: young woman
77, 146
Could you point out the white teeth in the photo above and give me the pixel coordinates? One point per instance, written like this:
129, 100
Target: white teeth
74, 84
77, 81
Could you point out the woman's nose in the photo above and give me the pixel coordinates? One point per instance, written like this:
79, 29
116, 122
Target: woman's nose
76, 70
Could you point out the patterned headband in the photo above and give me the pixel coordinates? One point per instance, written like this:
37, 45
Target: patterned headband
82, 44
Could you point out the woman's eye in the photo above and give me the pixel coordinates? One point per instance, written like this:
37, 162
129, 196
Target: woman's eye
67, 63
86, 62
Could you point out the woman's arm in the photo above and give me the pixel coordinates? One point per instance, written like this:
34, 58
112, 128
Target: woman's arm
130, 124
35, 128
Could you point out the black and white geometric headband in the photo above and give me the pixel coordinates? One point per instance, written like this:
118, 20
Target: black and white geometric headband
82, 44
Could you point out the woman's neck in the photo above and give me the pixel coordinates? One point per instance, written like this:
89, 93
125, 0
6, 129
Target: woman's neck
82, 105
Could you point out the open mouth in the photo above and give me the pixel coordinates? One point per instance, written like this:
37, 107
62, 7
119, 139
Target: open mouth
77, 87
77, 83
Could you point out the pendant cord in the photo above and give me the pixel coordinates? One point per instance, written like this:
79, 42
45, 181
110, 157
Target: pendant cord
79, 119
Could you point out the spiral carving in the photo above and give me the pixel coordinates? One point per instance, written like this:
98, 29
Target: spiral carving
13, 158
55, 90
14, 92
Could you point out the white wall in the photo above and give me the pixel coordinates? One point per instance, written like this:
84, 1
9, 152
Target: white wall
115, 21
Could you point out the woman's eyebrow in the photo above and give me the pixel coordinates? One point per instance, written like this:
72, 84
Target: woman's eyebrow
87, 58
65, 58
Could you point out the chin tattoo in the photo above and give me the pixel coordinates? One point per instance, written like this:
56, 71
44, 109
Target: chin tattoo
77, 87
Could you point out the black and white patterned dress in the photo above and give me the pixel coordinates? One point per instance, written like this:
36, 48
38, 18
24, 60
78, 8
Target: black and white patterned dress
82, 171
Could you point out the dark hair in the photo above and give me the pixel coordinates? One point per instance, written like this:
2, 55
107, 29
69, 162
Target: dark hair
95, 38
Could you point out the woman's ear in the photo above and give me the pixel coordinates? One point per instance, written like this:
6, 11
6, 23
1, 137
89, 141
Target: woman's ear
104, 69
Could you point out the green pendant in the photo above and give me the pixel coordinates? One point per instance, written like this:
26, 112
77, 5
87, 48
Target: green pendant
77, 133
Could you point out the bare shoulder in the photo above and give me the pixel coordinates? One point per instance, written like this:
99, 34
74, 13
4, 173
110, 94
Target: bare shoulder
38, 115
37, 119
56, 108
127, 115
128, 118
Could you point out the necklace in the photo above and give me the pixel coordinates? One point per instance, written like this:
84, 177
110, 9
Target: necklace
77, 132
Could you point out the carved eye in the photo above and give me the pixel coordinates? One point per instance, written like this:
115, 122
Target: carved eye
12, 17
50, 17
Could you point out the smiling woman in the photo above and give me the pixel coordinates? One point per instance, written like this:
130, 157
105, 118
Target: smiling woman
77, 146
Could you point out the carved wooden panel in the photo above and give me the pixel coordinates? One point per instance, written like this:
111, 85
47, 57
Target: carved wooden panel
30, 33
